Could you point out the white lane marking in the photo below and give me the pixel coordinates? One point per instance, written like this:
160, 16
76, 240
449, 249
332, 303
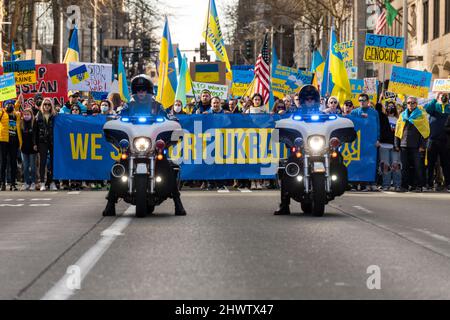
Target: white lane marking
223, 191
41, 199
61, 291
39, 205
74, 192
362, 209
20, 199
8, 200
11, 205
434, 235
245, 190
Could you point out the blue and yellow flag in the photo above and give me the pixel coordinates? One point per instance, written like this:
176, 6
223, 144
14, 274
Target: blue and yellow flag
14, 53
167, 81
73, 51
79, 74
123, 87
418, 118
335, 81
214, 37
184, 82
317, 67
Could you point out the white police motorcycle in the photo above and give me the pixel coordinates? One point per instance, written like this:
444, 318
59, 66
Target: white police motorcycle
314, 172
143, 176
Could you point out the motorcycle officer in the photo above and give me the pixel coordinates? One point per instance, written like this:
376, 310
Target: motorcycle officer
144, 103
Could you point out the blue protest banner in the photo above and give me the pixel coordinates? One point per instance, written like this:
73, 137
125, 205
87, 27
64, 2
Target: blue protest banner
19, 66
242, 77
384, 49
223, 146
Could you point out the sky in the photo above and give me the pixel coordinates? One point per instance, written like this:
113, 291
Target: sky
187, 19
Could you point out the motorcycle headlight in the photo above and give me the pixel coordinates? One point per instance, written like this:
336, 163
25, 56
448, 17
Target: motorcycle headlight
316, 143
142, 144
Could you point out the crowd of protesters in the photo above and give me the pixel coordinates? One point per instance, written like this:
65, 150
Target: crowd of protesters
407, 161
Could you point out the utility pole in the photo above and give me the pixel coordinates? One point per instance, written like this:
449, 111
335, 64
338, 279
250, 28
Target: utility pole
33, 30
405, 31
94, 31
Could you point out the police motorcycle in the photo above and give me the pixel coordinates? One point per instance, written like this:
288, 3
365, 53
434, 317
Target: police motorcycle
143, 131
313, 173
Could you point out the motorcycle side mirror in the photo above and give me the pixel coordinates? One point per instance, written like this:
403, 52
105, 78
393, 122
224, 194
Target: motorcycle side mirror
124, 144
298, 142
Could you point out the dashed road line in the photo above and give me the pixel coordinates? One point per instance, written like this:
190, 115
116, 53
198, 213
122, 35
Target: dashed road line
39, 205
74, 192
362, 209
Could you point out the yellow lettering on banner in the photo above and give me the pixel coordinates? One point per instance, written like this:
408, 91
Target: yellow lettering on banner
252, 146
115, 155
25, 77
219, 146
384, 55
263, 148
79, 146
242, 144
229, 146
95, 146
206, 137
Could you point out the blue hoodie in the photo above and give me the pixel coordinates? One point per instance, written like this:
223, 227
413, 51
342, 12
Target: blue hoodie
372, 115
438, 118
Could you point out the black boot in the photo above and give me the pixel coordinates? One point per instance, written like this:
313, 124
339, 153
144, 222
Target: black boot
110, 210
3, 188
179, 209
284, 207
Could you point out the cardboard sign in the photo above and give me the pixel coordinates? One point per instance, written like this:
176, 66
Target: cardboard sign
347, 51
24, 71
7, 87
218, 90
441, 85
51, 83
287, 81
370, 85
208, 72
384, 49
357, 87
410, 82
98, 78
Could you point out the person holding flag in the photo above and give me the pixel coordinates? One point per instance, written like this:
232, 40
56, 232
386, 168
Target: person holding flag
411, 134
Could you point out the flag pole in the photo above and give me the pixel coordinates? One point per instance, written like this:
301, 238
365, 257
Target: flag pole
207, 21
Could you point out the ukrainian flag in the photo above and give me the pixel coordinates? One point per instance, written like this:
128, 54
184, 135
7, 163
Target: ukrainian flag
73, 51
418, 118
184, 82
207, 73
123, 87
214, 37
336, 79
317, 67
14, 53
167, 81
79, 74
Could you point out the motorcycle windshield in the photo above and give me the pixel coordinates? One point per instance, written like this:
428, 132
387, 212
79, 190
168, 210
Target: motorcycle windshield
142, 107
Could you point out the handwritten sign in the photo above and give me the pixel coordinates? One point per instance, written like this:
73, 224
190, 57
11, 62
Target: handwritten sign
242, 77
441, 85
410, 82
357, 87
99, 79
347, 51
217, 90
370, 85
7, 87
384, 49
24, 71
287, 81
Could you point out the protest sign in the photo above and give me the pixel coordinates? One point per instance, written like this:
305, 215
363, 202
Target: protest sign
370, 85
410, 82
347, 51
441, 85
352, 72
287, 81
242, 77
357, 87
24, 71
89, 77
218, 90
7, 87
51, 83
384, 49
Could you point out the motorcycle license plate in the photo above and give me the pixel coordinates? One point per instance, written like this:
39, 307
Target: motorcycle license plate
318, 167
141, 168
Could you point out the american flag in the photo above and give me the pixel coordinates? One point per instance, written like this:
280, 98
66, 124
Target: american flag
262, 72
381, 22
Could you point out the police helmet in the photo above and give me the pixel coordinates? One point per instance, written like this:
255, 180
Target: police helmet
308, 92
141, 82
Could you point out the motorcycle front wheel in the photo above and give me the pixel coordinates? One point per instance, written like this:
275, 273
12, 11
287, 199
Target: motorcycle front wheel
140, 182
319, 194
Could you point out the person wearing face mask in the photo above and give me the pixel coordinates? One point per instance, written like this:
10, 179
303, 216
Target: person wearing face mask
28, 150
439, 111
11, 141
106, 107
177, 108
43, 131
37, 103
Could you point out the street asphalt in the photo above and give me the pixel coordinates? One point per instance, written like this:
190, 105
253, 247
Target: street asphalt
229, 246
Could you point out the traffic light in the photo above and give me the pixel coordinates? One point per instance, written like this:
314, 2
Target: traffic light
203, 51
146, 48
248, 49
